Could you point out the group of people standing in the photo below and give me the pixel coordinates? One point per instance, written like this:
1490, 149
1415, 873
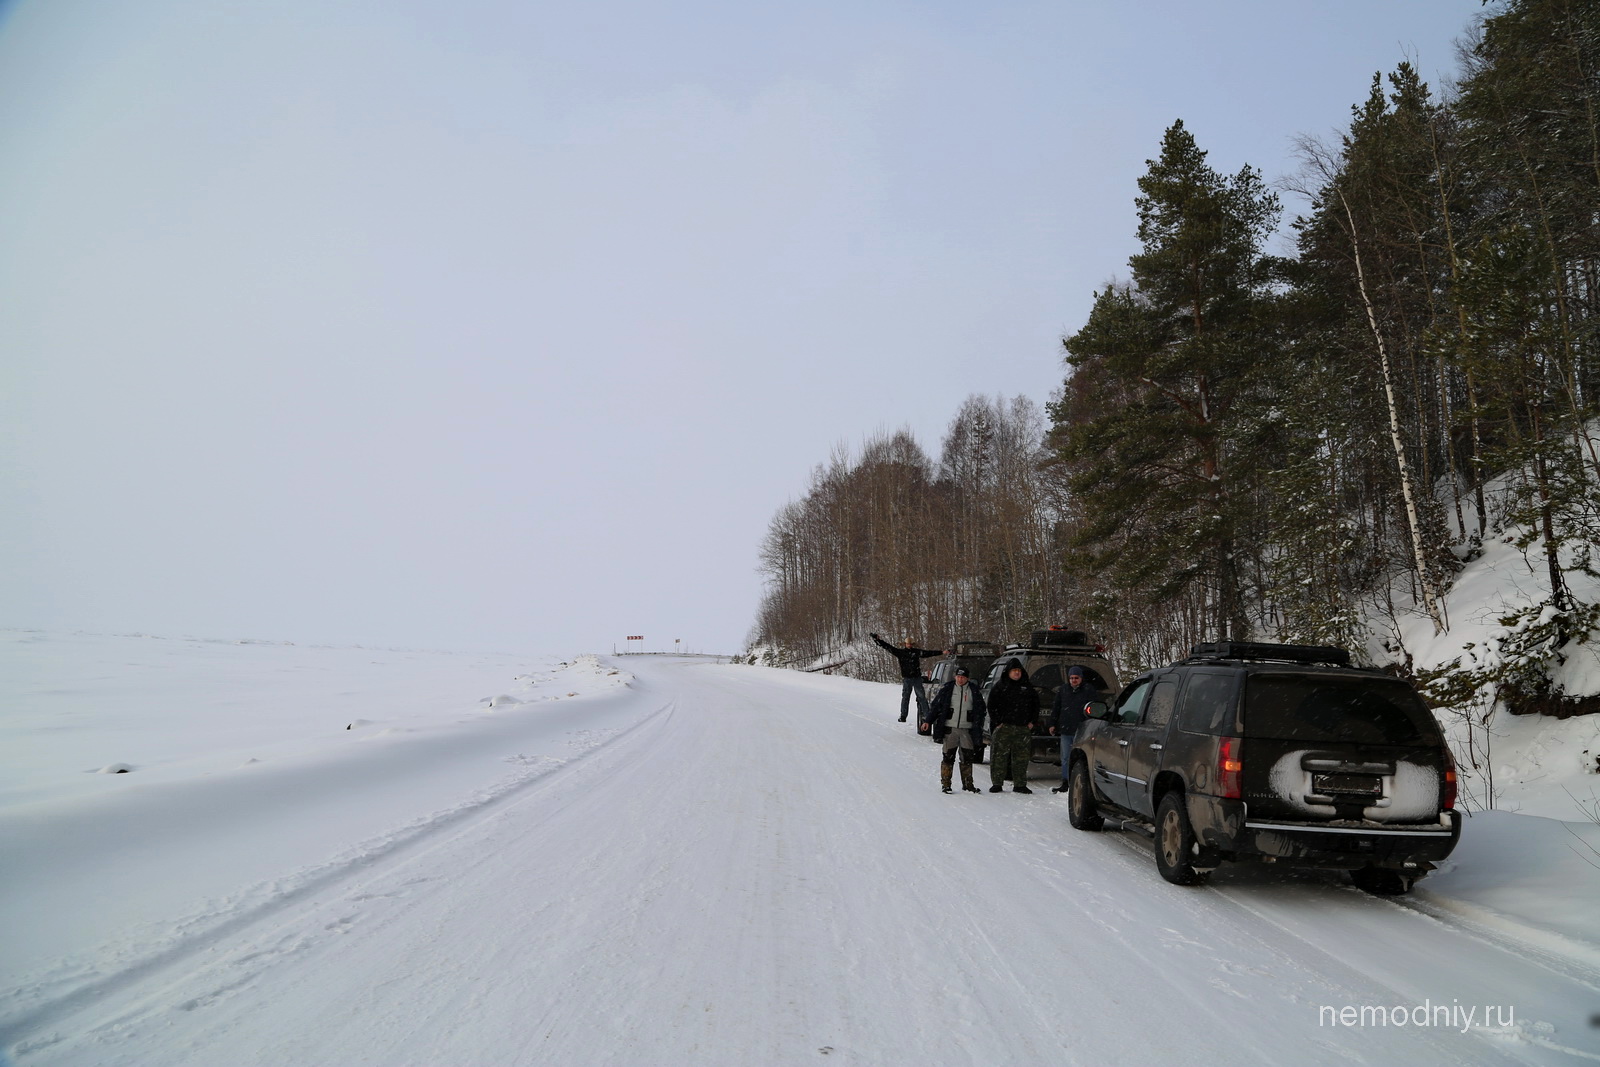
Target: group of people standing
958, 713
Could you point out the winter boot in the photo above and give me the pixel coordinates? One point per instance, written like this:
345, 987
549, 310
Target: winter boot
1020, 788
996, 789
1062, 788
966, 775
972, 789
944, 776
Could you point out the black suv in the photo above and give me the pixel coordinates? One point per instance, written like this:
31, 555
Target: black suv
1272, 753
1046, 657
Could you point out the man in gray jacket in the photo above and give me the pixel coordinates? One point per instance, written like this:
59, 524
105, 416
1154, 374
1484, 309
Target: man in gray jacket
957, 721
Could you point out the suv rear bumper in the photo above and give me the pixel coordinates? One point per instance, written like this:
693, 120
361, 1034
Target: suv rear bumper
1232, 834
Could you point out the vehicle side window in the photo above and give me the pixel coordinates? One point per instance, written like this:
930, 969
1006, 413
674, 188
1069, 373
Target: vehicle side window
1158, 709
1094, 678
1131, 703
1047, 677
1210, 703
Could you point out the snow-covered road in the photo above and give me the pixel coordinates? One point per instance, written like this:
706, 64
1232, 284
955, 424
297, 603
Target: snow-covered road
747, 866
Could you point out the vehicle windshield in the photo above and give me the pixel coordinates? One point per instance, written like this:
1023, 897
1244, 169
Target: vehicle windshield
1322, 708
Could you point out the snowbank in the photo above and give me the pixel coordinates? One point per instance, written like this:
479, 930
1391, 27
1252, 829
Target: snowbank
1533, 879
1533, 764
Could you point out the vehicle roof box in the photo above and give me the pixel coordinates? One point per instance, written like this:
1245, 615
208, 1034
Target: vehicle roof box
1257, 650
1053, 638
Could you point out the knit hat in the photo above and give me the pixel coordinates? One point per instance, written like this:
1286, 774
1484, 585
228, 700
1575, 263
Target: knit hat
1074, 672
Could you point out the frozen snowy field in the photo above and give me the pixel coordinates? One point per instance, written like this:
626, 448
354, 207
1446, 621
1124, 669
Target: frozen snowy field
337, 856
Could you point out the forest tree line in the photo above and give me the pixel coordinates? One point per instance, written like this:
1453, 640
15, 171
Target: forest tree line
1253, 445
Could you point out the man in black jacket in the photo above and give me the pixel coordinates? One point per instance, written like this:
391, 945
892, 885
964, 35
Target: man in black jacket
1013, 708
1068, 714
910, 674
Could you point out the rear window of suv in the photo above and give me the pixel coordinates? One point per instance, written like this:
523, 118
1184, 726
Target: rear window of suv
1325, 708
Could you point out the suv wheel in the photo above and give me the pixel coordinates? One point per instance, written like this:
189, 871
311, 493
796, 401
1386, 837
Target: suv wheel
1082, 812
1381, 881
1175, 842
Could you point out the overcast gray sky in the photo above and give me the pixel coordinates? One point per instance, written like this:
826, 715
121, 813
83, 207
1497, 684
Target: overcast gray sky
509, 325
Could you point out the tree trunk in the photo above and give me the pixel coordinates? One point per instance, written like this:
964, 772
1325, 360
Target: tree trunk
1430, 600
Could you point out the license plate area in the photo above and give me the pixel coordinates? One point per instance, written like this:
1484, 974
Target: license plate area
1346, 785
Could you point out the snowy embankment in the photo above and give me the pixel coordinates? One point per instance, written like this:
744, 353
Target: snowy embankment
1531, 848
1532, 764
156, 791
702, 863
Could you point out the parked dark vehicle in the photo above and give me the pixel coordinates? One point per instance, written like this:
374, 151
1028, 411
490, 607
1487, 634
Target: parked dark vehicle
1046, 657
975, 656
1271, 753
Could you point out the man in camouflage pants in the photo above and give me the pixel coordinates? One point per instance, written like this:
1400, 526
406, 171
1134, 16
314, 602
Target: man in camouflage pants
1013, 708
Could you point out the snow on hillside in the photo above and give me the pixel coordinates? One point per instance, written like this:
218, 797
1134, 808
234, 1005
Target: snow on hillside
1540, 765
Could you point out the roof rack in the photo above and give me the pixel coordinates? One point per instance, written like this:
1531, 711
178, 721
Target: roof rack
1256, 650
1057, 635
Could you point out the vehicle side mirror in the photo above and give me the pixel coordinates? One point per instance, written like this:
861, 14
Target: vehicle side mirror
1097, 709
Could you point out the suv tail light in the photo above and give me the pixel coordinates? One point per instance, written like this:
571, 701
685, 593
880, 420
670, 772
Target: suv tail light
1230, 769
1447, 794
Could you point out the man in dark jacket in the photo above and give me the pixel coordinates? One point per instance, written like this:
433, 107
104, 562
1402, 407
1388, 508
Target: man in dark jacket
1067, 714
1014, 708
957, 723
910, 674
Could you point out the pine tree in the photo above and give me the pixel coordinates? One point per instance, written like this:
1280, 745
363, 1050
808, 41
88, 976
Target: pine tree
1529, 292
1175, 365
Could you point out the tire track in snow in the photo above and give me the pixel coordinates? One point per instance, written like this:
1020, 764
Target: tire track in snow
1571, 960
196, 934
1378, 940
1139, 923
764, 880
